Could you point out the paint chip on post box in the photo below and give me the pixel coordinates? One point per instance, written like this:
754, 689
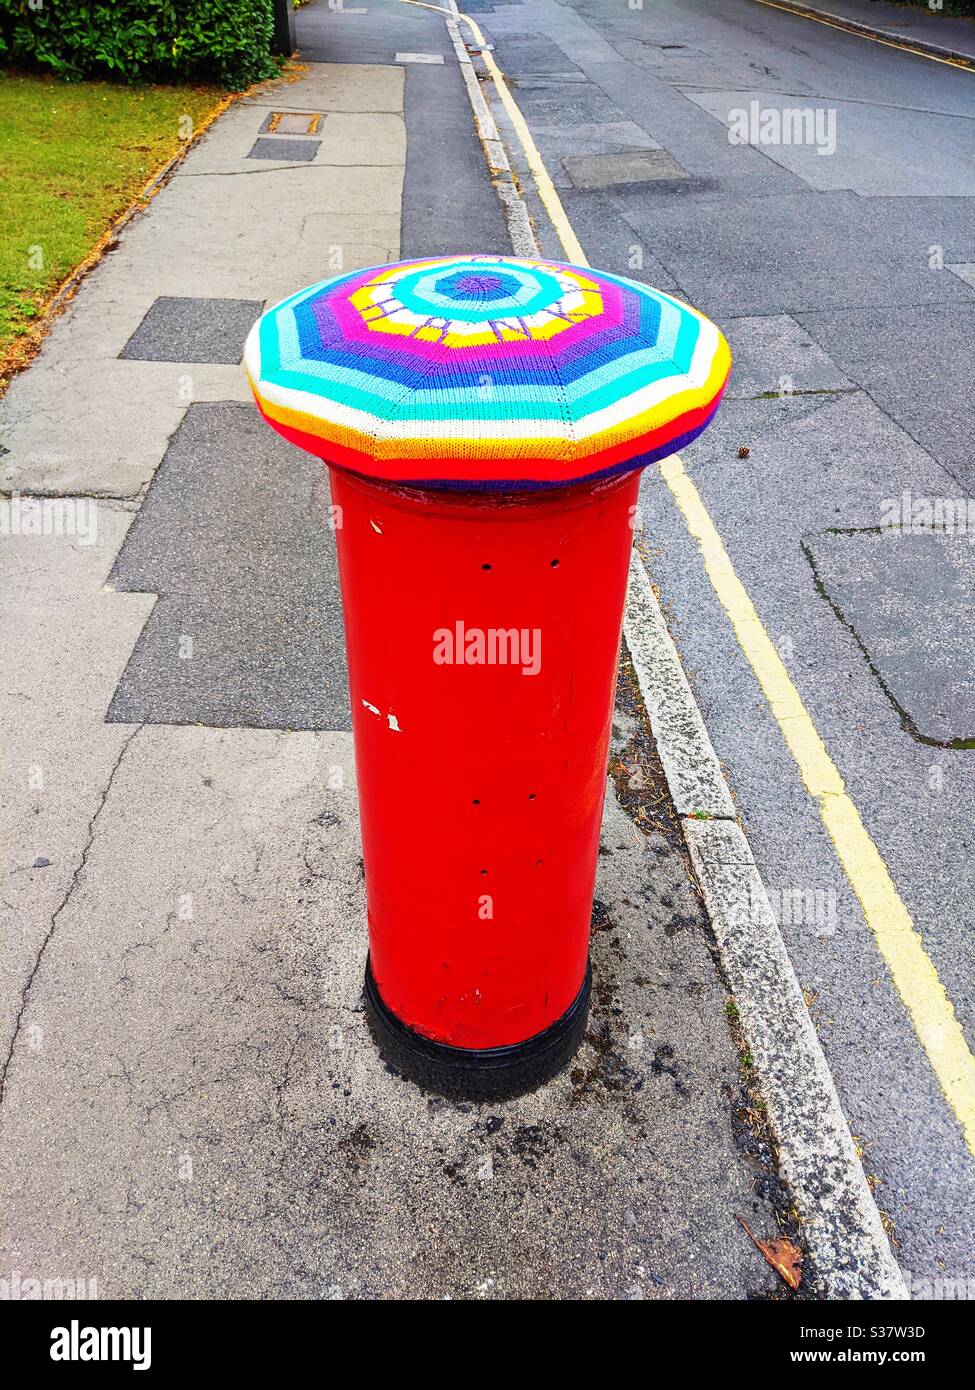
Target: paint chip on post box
505, 518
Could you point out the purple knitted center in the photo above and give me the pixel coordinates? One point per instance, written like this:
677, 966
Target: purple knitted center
468, 285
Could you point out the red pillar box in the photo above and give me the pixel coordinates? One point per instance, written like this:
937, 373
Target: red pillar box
485, 421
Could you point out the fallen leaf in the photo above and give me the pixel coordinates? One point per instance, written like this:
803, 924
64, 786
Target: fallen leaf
784, 1257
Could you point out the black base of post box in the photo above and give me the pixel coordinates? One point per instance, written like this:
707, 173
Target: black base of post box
492, 1073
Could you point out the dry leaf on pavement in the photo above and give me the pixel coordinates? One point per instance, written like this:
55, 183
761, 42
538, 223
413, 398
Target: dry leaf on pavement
784, 1257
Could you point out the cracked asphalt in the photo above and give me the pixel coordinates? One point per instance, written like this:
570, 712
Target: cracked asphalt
192, 1106
843, 282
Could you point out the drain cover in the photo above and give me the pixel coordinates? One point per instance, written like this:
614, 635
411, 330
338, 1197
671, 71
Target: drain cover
292, 123
630, 166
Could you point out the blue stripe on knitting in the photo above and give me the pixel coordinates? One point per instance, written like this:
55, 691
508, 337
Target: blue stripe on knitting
633, 353
410, 292
598, 389
502, 400
389, 355
396, 364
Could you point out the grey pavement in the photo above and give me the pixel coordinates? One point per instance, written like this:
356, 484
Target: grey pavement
842, 281
448, 204
204, 1114
191, 1105
906, 610
88, 417
64, 647
237, 543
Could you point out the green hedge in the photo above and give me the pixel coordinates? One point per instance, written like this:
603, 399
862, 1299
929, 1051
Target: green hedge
142, 40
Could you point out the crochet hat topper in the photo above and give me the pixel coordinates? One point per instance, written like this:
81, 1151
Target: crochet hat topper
486, 373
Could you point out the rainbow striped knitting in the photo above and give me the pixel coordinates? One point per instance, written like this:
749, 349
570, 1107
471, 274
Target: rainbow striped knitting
483, 372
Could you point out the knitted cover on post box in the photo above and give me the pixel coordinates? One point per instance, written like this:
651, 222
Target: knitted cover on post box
485, 372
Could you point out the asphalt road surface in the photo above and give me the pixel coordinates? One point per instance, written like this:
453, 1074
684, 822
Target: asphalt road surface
837, 250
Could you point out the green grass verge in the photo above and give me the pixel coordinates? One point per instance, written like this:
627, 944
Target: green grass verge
73, 157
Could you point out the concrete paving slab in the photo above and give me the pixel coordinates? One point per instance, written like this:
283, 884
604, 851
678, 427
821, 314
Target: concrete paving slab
364, 138
233, 1132
337, 86
355, 241
193, 330
234, 537
774, 355
65, 642
339, 137
908, 599
919, 378
101, 427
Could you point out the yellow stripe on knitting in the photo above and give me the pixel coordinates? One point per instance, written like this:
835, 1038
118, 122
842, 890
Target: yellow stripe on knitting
434, 443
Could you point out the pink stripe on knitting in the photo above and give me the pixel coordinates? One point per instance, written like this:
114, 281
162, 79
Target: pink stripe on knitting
617, 313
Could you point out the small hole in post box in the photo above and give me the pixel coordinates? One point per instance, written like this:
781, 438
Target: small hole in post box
554, 564
485, 567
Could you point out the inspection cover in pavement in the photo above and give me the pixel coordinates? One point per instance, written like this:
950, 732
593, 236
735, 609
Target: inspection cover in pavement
234, 538
908, 599
299, 151
193, 330
291, 123
632, 166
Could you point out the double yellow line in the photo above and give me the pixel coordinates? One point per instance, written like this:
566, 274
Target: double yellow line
915, 978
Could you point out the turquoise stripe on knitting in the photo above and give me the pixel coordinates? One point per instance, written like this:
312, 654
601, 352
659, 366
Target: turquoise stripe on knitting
549, 291
383, 398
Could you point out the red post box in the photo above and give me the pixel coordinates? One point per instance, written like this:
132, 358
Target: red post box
485, 421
